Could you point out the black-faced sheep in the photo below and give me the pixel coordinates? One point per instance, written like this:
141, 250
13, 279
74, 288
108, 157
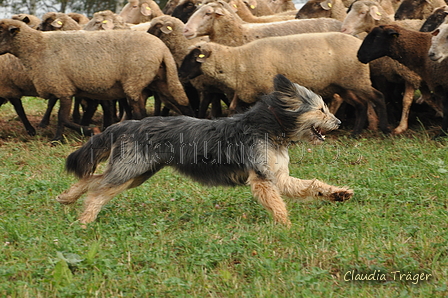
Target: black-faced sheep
417, 9
185, 9
222, 25
323, 9
140, 11
95, 64
323, 62
436, 19
106, 20
411, 49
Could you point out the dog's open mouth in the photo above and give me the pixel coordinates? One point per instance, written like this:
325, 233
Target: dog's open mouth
318, 133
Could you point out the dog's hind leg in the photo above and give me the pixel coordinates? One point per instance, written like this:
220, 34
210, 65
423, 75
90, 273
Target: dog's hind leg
78, 189
99, 195
294, 188
269, 196
97, 198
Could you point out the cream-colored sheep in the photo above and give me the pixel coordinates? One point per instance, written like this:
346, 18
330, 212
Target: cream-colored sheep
140, 11
366, 15
225, 27
323, 9
106, 20
57, 21
323, 62
31, 20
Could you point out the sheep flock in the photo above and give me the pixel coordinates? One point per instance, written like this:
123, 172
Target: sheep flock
377, 64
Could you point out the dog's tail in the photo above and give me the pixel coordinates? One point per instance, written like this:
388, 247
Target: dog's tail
83, 162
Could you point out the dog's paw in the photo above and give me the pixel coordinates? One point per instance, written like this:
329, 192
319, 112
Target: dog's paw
342, 195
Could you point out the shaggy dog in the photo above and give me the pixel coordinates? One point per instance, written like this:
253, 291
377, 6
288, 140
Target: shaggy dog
249, 148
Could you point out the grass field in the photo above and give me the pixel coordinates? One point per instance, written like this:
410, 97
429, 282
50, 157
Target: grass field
174, 238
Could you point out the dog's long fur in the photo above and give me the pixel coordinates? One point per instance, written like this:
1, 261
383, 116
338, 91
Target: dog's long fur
249, 148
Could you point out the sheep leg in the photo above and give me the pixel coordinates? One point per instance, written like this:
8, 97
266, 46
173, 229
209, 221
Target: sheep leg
204, 104
157, 105
137, 107
379, 104
335, 103
46, 118
92, 106
108, 112
408, 97
360, 111
18, 107
64, 120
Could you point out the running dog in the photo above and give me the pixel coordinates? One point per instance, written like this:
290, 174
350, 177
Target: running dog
246, 149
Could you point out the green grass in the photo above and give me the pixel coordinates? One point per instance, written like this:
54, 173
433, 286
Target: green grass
172, 237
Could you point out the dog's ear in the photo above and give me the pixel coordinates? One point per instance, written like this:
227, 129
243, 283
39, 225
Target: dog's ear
283, 85
294, 95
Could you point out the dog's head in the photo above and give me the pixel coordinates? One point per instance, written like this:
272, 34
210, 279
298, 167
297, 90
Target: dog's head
302, 113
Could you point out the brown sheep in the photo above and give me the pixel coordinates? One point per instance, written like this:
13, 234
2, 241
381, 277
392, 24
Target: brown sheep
95, 64
411, 49
299, 57
226, 27
363, 17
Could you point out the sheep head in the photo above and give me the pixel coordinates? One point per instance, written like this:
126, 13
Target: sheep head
377, 43
191, 65
8, 30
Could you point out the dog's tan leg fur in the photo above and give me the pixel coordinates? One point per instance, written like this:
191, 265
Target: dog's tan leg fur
97, 198
293, 188
78, 189
268, 195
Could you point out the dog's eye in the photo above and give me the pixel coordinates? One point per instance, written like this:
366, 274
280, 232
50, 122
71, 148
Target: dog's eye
322, 110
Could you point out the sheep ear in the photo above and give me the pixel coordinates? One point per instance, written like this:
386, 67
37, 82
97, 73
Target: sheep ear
57, 23
107, 25
392, 32
375, 14
219, 11
202, 56
13, 30
326, 5
435, 32
145, 10
167, 28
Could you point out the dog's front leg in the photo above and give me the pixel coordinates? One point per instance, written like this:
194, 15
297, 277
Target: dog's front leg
294, 187
269, 196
